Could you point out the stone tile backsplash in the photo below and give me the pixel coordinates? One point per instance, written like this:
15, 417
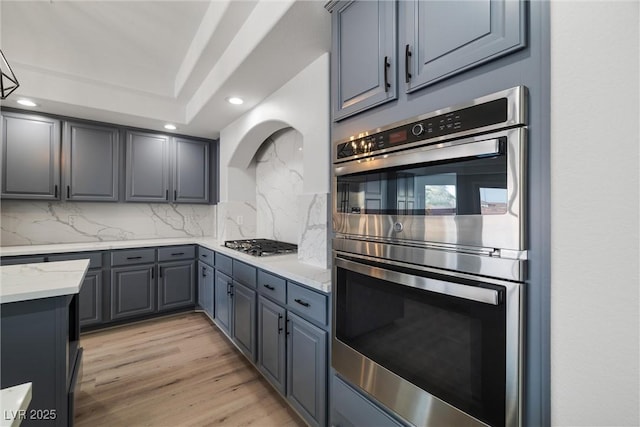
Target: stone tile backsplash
36, 223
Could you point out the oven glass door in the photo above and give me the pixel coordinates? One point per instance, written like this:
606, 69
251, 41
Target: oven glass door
466, 186
447, 338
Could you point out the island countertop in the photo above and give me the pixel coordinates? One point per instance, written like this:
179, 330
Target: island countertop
41, 280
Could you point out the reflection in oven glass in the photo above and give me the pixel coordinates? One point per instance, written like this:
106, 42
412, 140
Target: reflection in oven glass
476, 186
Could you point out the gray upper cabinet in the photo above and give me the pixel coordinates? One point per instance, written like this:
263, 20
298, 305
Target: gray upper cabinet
30, 157
444, 38
190, 171
147, 167
90, 162
364, 48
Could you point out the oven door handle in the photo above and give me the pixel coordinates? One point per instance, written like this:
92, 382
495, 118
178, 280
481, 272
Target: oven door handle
458, 290
428, 154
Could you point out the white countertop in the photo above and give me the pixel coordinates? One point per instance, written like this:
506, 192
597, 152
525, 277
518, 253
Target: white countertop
41, 280
287, 266
14, 401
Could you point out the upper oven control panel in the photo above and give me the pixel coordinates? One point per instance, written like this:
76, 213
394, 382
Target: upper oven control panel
500, 110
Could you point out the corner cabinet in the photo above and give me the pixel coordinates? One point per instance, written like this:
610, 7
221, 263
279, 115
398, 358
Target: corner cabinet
90, 162
445, 38
30, 157
364, 48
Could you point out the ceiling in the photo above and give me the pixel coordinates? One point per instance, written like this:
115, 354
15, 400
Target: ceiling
147, 63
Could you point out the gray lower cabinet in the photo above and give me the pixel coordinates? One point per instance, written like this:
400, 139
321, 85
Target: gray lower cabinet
147, 167
176, 285
206, 279
30, 157
90, 162
91, 299
307, 369
133, 291
364, 48
349, 408
244, 319
443, 38
272, 343
223, 302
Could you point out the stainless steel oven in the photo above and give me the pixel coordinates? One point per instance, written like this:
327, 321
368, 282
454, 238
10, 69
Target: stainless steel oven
429, 263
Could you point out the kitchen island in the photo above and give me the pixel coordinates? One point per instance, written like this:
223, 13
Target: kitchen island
41, 334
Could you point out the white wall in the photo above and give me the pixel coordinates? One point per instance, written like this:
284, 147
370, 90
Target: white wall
594, 216
303, 104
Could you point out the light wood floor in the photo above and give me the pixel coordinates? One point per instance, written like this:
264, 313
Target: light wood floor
175, 371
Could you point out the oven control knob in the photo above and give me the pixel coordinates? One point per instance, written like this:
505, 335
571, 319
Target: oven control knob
418, 129
397, 227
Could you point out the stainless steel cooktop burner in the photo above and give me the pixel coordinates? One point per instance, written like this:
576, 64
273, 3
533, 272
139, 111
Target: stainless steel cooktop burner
261, 247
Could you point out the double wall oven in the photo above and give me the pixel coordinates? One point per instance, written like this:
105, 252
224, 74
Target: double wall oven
429, 260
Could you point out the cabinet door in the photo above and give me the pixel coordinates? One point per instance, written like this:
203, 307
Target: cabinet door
244, 319
222, 300
133, 291
445, 38
272, 343
307, 369
147, 167
90, 162
364, 45
177, 285
91, 299
190, 171
206, 278
30, 157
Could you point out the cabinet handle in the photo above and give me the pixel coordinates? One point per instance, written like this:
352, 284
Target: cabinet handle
152, 274
166, 195
271, 288
204, 255
204, 272
387, 85
177, 254
279, 327
68, 192
55, 191
287, 329
175, 195
134, 257
302, 303
160, 270
407, 55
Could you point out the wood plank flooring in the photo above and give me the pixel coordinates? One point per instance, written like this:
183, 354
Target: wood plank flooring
174, 371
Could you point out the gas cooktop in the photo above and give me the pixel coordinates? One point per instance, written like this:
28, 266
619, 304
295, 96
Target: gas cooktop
261, 247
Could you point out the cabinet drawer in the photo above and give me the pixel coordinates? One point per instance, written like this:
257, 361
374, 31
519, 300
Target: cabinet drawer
244, 273
310, 304
272, 286
206, 255
15, 260
133, 256
351, 408
176, 253
224, 264
95, 258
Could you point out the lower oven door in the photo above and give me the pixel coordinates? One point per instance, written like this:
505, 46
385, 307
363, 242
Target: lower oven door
437, 350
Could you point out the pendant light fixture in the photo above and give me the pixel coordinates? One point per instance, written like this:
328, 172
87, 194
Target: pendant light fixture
8, 80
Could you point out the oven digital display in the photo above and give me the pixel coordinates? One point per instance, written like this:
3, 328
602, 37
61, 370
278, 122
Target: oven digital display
397, 137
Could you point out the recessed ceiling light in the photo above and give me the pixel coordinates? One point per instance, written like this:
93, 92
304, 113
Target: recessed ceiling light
170, 126
27, 103
235, 100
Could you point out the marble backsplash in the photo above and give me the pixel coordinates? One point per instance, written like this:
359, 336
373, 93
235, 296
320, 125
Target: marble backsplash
36, 223
313, 243
279, 180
